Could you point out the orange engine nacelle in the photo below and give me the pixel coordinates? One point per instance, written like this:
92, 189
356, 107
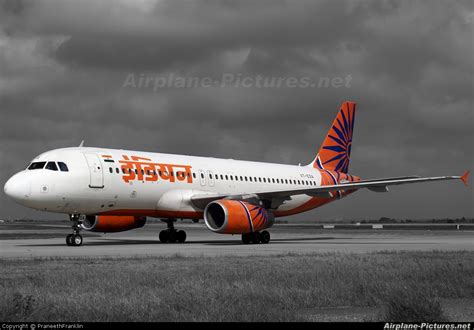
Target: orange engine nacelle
236, 217
112, 223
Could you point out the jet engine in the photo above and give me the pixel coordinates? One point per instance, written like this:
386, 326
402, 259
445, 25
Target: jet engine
236, 217
112, 223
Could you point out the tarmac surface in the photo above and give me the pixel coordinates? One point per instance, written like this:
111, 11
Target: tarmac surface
46, 240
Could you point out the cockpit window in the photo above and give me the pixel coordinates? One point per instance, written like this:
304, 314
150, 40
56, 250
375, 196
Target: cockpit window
63, 167
51, 166
36, 166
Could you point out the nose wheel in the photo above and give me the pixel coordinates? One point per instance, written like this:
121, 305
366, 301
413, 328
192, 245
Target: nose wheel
256, 237
171, 235
75, 239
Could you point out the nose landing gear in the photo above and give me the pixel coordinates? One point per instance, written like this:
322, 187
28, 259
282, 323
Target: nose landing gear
171, 235
75, 239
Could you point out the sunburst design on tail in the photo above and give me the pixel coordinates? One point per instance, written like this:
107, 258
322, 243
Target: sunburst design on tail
335, 151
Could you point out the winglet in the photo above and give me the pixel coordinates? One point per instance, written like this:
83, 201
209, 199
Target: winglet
465, 177
82, 144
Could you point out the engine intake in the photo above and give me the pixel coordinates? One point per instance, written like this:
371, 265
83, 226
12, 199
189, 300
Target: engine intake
112, 223
236, 217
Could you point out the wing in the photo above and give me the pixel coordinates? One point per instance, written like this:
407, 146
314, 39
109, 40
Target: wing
277, 197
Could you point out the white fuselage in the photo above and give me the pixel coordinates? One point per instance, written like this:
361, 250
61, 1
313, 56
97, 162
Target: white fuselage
98, 181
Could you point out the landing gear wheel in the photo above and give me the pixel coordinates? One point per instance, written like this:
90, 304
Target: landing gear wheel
181, 236
69, 241
163, 236
255, 238
265, 237
246, 238
76, 240
171, 236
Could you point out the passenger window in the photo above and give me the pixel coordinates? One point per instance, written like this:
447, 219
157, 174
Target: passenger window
111, 170
231, 177
36, 166
63, 167
241, 178
51, 166
226, 177
194, 175
117, 170
202, 175
245, 178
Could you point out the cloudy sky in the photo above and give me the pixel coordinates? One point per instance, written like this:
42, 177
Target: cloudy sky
65, 70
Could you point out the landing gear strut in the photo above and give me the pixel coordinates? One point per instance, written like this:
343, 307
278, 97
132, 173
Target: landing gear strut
74, 239
171, 235
256, 237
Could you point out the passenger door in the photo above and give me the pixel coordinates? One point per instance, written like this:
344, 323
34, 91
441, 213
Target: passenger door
210, 176
95, 171
202, 177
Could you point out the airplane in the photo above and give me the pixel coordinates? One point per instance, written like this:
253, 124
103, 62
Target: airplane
110, 190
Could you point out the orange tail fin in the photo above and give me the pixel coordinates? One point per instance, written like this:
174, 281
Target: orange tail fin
335, 151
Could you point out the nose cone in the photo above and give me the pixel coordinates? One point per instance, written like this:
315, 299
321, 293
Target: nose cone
18, 188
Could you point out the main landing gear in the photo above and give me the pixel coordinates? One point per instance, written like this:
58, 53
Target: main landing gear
74, 239
256, 237
171, 235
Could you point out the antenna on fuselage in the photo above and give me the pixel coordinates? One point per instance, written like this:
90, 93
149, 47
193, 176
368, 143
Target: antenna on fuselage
82, 144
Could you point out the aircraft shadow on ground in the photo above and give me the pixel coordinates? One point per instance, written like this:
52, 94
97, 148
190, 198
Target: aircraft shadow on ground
113, 241
278, 241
